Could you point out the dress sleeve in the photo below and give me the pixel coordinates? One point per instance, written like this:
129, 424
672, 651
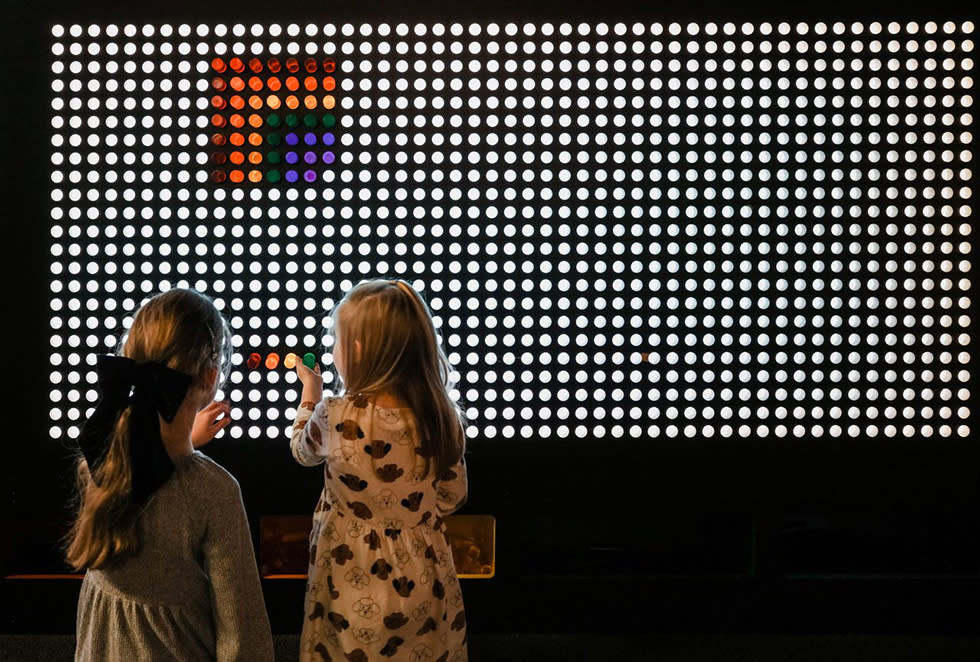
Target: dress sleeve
452, 488
241, 621
309, 432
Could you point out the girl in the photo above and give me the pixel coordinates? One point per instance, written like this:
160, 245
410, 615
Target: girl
161, 528
382, 584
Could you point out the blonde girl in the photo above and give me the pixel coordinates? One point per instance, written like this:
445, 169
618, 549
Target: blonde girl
160, 528
382, 583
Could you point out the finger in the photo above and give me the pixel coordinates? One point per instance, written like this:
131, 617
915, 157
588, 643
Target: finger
214, 407
220, 424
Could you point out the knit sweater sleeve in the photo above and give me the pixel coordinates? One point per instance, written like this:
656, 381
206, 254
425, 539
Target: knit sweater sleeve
241, 621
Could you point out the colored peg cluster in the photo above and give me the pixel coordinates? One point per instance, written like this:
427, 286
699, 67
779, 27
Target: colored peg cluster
272, 120
272, 360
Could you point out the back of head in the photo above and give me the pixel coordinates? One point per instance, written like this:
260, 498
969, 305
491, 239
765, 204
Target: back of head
183, 330
389, 345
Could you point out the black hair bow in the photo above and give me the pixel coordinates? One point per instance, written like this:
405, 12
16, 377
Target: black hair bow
150, 388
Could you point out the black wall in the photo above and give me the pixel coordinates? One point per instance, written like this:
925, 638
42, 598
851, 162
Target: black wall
594, 535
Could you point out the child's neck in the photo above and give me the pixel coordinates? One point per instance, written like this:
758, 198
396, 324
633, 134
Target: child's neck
176, 436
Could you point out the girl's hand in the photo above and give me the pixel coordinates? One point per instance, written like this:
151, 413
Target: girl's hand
210, 421
312, 382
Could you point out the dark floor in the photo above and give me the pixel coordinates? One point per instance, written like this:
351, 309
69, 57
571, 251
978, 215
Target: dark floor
599, 648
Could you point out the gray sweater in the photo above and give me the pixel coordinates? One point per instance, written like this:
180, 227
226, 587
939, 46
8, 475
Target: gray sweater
193, 591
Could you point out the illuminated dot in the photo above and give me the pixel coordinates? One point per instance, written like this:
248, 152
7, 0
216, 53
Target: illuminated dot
254, 360
272, 361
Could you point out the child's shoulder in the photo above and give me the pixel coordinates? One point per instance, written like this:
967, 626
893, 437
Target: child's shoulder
202, 470
367, 411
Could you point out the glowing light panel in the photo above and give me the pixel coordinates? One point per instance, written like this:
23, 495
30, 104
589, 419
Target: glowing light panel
647, 229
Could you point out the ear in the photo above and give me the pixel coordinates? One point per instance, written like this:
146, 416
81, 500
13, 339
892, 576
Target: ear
210, 378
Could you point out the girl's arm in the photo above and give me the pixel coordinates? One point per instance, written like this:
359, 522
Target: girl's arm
309, 433
452, 488
241, 622
310, 425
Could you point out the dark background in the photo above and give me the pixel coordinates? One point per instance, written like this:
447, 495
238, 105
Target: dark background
606, 536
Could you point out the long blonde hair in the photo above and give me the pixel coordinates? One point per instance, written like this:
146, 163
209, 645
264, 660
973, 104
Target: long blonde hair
399, 354
183, 330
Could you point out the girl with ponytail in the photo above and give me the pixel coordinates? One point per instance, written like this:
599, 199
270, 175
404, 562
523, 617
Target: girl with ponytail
160, 529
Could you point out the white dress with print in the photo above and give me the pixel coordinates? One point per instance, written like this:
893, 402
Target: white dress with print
382, 583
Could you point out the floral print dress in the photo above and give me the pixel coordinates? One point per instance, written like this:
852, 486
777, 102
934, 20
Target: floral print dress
382, 584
